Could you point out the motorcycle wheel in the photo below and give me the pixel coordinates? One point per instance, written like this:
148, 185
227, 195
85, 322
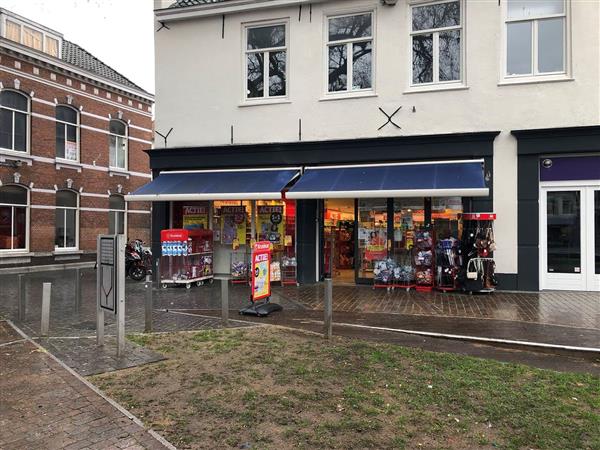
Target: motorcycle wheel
137, 273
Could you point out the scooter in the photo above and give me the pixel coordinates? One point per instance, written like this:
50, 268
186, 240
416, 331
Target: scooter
135, 261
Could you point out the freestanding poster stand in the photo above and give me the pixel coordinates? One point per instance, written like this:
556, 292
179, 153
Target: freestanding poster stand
110, 285
261, 282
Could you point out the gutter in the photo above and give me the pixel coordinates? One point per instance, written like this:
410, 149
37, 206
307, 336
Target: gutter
221, 8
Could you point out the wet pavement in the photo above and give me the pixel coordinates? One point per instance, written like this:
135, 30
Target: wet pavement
556, 318
44, 406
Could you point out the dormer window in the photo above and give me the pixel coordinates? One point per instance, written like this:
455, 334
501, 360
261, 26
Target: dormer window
13, 31
33, 38
26, 33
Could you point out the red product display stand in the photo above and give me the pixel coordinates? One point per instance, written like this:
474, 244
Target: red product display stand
186, 257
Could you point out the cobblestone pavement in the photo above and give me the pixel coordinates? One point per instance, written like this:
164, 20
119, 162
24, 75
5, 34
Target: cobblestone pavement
44, 406
72, 318
86, 358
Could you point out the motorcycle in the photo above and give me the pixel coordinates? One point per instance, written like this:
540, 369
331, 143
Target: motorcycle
138, 261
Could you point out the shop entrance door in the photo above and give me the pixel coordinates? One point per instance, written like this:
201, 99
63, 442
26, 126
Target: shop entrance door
570, 238
339, 239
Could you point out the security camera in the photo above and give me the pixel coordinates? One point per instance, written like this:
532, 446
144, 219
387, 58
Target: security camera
389, 2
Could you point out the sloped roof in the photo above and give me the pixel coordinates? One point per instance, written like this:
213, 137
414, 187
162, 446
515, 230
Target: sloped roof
79, 57
184, 3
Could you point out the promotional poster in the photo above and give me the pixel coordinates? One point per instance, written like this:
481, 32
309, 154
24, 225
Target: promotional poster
233, 225
270, 223
195, 217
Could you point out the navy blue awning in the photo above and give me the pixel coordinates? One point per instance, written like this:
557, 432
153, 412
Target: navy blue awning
252, 184
437, 179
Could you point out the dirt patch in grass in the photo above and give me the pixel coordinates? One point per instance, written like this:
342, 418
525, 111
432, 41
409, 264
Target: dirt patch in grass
271, 388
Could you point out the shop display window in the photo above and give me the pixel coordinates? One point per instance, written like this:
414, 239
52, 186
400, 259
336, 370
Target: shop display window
372, 235
445, 215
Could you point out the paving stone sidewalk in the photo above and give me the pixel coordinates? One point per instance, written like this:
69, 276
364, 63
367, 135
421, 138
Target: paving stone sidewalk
44, 406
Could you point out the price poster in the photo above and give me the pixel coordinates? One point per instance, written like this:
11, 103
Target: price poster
195, 217
261, 270
233, 225
375, 249
270, 223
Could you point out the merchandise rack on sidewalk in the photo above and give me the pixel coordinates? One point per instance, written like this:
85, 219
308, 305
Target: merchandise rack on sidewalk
186, 257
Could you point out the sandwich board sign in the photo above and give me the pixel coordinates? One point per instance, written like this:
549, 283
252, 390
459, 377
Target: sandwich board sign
261, 270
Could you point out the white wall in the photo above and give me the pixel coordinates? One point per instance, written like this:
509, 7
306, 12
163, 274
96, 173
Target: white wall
200, 82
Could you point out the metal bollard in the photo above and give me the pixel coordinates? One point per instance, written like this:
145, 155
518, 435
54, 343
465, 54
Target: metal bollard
78, 275
148, 307
46, 293
225, 302
21, 297
328, 308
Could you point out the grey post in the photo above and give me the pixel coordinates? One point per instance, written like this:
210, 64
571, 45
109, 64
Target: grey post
225, 301
148, 308
21, 296
99, 310
120, 300
328, 307
77, 289
46, 292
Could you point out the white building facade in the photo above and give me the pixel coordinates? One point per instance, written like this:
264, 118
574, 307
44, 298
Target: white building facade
511, 83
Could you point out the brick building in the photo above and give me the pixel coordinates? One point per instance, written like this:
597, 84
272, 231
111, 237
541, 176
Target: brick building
72, 135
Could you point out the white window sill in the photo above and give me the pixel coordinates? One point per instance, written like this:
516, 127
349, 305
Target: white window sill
62, 163
265, 101
117, 171
535, 79
347, 95
15, 253
436, 88
12, 155
67, 251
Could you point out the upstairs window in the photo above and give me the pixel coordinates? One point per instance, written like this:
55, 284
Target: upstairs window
535, 37
33, 38
350, 53
13, 31
14, 202
67, 219
436, 43
67, 131
14, 121
52, 46
266, 61
118, 144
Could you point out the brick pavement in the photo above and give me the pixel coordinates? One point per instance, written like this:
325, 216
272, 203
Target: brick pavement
44, 406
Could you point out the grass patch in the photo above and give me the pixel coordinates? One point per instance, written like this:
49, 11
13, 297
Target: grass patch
271, 388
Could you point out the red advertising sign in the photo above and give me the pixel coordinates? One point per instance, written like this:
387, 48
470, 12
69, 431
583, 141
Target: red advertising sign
261, 270
174, 235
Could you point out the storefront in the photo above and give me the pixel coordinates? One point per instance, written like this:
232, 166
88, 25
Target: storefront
365, 199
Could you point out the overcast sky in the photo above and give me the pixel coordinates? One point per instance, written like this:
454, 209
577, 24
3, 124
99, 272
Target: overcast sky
118, 32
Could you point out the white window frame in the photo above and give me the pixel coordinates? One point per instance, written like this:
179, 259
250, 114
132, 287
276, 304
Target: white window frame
77, 136
116, 213
266, 97
118, 137
27, 125
9, 251
435, 32
349, 42
535, 75
64, 209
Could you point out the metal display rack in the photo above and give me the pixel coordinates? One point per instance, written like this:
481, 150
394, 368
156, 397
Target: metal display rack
186, 257
478, 245
240, 267
423, 256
